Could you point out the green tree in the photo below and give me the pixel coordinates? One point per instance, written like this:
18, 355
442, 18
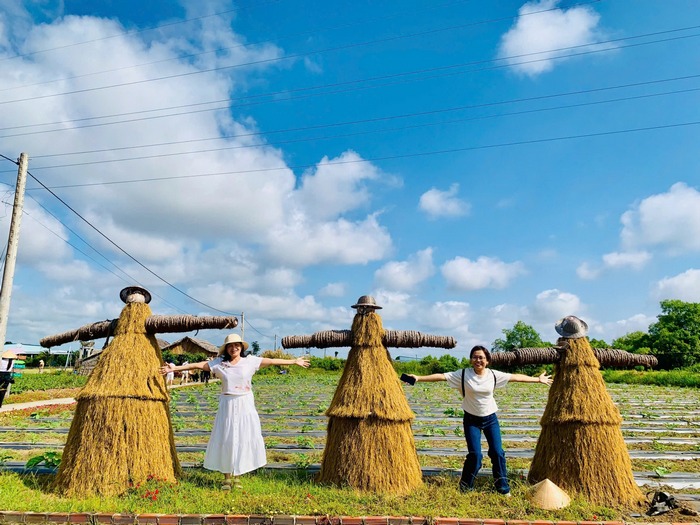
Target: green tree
675, 337
634, 342
599, 343
255, 348
520, 336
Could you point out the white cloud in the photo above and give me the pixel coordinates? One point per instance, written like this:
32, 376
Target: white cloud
336, 186
587, 272
670, 221
536, 34
684, 286
554, 304
486, 272
437, 204
634, 260
301, 242
333, 290
406, 275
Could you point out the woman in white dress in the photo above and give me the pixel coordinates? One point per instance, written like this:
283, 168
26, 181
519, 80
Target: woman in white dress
236, 445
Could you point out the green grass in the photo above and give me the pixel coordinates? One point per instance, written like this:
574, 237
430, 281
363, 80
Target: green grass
270, 493
47, 381
680, 378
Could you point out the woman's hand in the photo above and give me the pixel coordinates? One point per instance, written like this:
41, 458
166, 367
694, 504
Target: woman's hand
545, 379
302, 361
165, 369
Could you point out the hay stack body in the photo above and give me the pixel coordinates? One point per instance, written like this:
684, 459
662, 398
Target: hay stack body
581, 448
370, 443
121, 431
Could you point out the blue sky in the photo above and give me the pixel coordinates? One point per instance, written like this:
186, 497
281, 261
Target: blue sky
470, 164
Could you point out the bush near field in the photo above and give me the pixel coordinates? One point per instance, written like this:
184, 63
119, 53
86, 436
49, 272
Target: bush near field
47, 381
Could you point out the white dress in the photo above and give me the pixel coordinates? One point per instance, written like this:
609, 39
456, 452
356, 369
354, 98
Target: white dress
236, 444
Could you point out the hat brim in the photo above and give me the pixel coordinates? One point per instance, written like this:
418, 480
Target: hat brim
582, 332
222, 348
373, 306
126, 292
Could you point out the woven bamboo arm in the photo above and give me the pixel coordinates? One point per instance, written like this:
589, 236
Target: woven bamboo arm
544, 356
391, 339
325, 339
154, 324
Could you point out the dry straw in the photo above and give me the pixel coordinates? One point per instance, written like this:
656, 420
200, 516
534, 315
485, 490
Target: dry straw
121, 431
370, 443
581, 448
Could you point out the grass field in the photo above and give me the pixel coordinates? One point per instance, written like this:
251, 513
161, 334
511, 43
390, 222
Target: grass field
661, 425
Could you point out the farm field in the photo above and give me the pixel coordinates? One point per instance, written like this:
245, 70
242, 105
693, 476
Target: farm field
661, 425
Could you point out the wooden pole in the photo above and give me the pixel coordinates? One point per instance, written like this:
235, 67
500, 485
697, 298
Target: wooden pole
11, 258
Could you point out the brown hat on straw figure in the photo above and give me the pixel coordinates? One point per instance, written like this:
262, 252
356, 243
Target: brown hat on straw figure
369, 444
125, 398
582, 419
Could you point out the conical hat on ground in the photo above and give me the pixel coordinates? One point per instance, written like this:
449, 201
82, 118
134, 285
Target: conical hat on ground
548, 496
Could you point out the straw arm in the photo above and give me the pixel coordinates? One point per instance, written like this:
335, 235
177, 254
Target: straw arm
154, 324
413, 339
84, 333
325, 339
543, 356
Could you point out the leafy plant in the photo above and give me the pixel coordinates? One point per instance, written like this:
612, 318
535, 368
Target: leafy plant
49, 459
452, 412
305, 442
661, 471
302, 461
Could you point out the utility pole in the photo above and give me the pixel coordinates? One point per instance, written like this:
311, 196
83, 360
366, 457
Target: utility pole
275, 347
11, 257
243, 325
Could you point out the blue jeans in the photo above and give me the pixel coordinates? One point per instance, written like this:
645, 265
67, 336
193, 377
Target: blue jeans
473, 426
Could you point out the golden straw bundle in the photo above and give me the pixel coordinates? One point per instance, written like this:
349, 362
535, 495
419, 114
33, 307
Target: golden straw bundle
370, 444
581, 447
121, 431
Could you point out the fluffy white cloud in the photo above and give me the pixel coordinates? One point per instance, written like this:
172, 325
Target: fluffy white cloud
587, 272
336, 186
531, 42
486, 272
342, 241
684, 286
437, 203
333, 290
634, 260
554, 304
406, 275
670, 221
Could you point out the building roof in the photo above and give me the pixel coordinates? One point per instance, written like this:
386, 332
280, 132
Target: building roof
26, 349
206, 346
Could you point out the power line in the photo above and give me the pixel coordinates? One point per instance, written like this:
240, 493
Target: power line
372, 131
133, 32
384, 158
297, 55
228, 107
220, 50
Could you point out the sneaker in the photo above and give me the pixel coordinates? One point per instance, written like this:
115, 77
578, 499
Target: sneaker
465, 488
506, 494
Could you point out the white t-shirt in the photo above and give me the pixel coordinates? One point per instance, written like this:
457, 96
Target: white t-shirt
478, 390
235, 379
5, 365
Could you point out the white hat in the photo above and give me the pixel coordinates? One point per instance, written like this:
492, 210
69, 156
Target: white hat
232, 338
571, 327
367, 301
548, 496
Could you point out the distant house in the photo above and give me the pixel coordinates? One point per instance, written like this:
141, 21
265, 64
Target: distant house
191, 345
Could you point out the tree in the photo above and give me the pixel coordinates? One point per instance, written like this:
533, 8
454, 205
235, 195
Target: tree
255, 348
675, 337
598, 343
634, 342
520, 336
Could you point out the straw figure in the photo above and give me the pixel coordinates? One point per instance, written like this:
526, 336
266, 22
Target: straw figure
581, 448
121, 431
369, 444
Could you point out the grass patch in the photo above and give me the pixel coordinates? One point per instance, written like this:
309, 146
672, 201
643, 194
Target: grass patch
270, 493
47, 381
679, 378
